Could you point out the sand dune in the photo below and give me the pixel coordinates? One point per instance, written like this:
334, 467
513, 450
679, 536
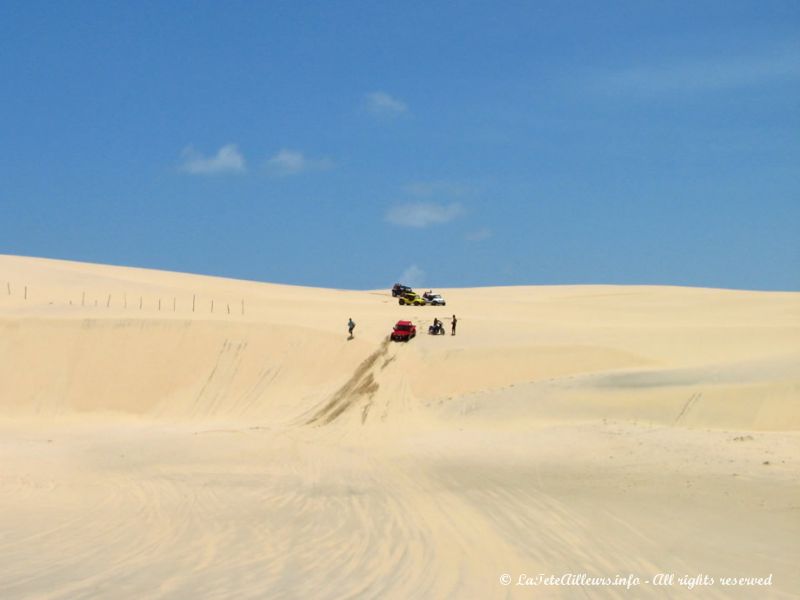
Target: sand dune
173, 435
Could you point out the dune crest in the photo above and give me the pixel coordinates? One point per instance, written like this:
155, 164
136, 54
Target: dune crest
83, 338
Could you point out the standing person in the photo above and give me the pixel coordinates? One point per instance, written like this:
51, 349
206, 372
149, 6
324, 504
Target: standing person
453, 324
350, 326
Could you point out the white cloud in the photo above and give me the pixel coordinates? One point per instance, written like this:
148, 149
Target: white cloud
701, 74
478, 236
413, 276
382, 104
292, 162
423, 214
228, 159
426, 189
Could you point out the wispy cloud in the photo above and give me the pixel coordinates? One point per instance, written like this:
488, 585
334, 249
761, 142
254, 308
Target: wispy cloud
382, 104
413, 276
228, 159
479, 235
423, 214
292, 162
711, 74
427, 189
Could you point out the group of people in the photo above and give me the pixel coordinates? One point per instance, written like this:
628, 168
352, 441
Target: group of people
351, 325
439, 324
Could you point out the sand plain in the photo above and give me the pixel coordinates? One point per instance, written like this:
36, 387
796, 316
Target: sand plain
166, 435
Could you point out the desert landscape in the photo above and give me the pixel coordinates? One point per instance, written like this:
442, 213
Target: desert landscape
165, 435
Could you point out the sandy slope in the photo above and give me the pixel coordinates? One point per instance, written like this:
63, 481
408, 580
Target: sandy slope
154, 445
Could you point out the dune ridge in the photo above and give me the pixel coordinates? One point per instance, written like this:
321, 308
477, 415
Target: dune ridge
61, 357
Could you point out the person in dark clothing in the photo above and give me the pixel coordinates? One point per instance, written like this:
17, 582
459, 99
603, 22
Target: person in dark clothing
453, 324
438, 326
350, 326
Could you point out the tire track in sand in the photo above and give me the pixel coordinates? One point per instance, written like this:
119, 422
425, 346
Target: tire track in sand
361, 383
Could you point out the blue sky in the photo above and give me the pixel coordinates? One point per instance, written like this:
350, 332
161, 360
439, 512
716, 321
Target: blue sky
353, 144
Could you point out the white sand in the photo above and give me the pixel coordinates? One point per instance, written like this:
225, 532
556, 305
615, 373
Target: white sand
255, 452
